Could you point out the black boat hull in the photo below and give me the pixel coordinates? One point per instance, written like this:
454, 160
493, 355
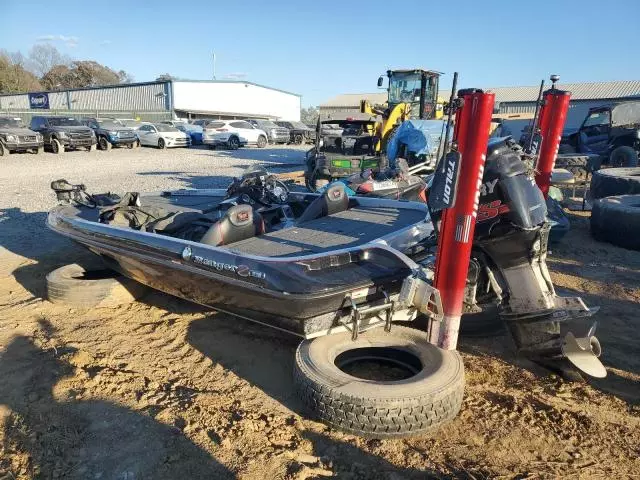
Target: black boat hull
304, 295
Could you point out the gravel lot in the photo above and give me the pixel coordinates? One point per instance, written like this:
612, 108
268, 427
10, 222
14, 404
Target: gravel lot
25, 178
162, 389
25, 193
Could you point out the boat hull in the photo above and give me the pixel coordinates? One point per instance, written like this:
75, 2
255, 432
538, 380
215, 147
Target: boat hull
303, 295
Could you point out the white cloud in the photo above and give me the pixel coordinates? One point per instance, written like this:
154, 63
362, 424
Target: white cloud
69, 41
105, 42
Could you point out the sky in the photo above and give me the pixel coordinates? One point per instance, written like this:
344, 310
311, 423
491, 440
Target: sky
320, 49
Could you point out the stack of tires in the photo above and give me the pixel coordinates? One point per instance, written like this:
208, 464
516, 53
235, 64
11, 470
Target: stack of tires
615, 216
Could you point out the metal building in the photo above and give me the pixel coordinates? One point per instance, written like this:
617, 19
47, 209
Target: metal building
348, 104
155, 101
515, 100
512, 100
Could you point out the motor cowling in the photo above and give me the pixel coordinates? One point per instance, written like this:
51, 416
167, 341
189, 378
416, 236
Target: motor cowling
509, 198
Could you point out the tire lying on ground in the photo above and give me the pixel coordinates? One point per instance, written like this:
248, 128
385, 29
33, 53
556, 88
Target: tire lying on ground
615, 181
617, 220
74, 286
578, 164
428, 395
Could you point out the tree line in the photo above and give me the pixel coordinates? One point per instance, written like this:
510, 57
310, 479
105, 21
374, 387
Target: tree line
45, 68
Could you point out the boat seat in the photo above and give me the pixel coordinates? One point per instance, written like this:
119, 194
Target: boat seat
333, 200
240, 222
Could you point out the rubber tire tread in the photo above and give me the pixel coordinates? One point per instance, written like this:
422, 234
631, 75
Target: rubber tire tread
628, 156
369, 412
576, 164
617, 220
64, 287
615, 181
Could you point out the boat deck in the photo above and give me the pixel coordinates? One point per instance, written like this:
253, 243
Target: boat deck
183, 203
346, 229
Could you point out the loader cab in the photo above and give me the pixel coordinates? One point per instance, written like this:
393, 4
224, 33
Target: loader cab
418, 87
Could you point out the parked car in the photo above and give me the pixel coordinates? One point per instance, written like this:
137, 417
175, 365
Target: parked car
16, 137
162, 136
175, 123
111, 133
611, 131
233, 134
62, 133
194, 131
201, 122
129, 122
299, 133
275, 133
333, 129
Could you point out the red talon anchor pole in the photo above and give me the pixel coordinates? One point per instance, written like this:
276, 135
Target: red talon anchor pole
471, 135
553, 115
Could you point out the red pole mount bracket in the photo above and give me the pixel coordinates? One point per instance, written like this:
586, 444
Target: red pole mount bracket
471, 135
553, 115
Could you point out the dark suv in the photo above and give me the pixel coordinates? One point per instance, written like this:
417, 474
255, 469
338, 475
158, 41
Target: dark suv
276, 133
15, 137
61, 133
110, 133
611, 131
299, 133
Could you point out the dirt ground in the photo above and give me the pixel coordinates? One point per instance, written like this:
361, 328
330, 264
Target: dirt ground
162, 389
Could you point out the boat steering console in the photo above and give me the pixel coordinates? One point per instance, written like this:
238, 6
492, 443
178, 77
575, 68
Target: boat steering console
265, 193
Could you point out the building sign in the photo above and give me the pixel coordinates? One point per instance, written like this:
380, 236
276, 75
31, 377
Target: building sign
39, 101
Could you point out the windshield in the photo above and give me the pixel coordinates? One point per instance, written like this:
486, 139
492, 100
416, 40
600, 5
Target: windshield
267, 124
110, 124
165, 128
598, 118
299, 125
404, 88
64, 122
11, 122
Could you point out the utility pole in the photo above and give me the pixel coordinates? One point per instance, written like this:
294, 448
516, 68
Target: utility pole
214, 65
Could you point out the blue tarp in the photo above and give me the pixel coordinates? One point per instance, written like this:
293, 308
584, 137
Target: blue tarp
422, 137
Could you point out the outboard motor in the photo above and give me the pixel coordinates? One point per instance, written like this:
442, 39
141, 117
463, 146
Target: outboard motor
510, 249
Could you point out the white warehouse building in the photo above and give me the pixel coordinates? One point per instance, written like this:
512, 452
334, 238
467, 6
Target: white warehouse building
160, 100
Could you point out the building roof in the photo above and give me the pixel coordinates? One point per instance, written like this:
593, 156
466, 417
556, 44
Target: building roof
349, 100
579, 91
96, 87
155, 82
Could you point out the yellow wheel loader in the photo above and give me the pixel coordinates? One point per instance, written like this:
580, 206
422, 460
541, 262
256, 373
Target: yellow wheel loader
412, 94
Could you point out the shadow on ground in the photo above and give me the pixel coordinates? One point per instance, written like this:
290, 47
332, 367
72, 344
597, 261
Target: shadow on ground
261, 355
34, 250
290, 156
70, 438
350, 461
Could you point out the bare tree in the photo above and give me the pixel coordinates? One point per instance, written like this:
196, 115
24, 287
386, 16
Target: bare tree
165, 77
309, 115
43, 57
125, 77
